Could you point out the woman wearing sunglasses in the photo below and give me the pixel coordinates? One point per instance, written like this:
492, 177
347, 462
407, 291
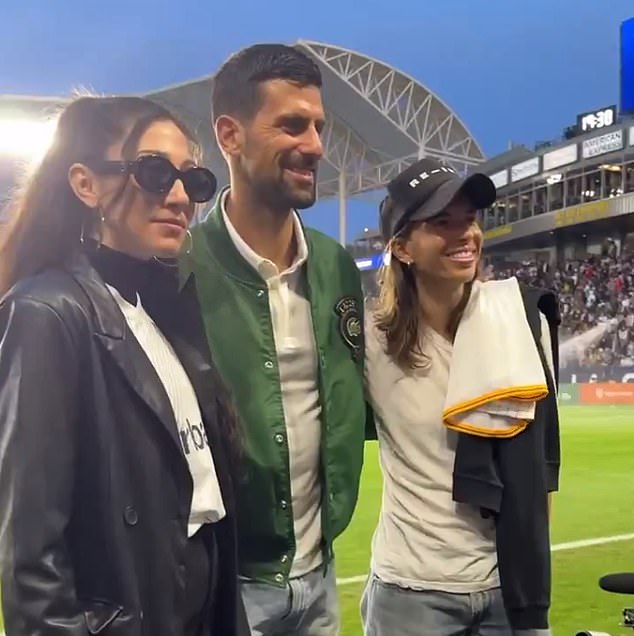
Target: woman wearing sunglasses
117, 437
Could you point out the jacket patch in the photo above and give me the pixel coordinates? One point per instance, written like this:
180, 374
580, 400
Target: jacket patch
350, 327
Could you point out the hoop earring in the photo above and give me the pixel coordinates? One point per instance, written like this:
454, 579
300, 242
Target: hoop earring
190, 247
173, 262
83, 237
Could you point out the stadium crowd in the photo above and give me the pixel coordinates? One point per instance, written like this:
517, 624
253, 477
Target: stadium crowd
596, 291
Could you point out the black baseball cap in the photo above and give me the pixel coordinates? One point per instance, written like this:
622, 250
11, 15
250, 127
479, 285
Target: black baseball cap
425, 189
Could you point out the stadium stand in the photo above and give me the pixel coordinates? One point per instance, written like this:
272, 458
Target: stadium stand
564, 219
596, 291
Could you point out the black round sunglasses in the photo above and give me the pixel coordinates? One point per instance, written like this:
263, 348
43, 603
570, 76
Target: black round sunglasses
157, 174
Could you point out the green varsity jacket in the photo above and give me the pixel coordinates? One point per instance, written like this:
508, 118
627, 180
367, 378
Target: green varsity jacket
235, 309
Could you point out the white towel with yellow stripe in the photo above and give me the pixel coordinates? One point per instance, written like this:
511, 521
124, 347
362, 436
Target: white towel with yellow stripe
496, 376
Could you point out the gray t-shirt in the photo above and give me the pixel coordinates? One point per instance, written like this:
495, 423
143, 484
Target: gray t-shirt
424, 540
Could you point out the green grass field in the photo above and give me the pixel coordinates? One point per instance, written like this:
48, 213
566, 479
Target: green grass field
596, 500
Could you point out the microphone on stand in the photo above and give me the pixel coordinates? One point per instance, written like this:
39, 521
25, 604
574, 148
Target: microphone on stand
621, 583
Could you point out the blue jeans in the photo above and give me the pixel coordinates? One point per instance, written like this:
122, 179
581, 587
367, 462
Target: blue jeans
389, 610
306, 607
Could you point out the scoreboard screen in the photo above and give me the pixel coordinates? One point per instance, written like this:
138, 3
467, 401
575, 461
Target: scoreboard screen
627, 66
596, 119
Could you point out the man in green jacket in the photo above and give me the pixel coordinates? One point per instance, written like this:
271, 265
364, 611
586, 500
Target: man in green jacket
283, 311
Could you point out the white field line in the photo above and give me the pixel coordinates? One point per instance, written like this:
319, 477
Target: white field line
558, 547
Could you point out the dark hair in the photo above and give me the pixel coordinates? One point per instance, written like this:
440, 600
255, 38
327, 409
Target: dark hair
46, 219
236, 85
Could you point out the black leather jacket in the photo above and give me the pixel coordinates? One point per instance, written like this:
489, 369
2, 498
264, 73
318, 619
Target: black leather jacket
94, 488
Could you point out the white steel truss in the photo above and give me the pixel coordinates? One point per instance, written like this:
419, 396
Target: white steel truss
345, 150
372, 178
411, 107
415, 112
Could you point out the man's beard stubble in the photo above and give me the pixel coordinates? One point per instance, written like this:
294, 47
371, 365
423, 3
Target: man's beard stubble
276, 194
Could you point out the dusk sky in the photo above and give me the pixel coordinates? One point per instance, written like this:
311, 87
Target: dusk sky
513, 70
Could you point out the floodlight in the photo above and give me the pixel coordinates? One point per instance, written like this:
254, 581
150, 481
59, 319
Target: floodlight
24, 138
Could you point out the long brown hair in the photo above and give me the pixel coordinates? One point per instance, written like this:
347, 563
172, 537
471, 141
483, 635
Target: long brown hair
398, 314
46, 218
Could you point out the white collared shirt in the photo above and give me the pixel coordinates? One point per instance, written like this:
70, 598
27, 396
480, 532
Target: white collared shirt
292, 324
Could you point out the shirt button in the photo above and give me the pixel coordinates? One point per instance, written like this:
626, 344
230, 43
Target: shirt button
130, 516
284, 558
260, 293
284, 504
279, 438
268, 364
279, 578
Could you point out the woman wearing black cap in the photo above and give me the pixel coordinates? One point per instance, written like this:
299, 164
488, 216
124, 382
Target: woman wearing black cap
459, 373
116, 496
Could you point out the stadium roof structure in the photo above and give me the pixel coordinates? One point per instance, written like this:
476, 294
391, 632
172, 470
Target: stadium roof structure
379, 120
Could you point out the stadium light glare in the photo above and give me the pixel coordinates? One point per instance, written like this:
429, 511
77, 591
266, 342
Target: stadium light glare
26, 138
